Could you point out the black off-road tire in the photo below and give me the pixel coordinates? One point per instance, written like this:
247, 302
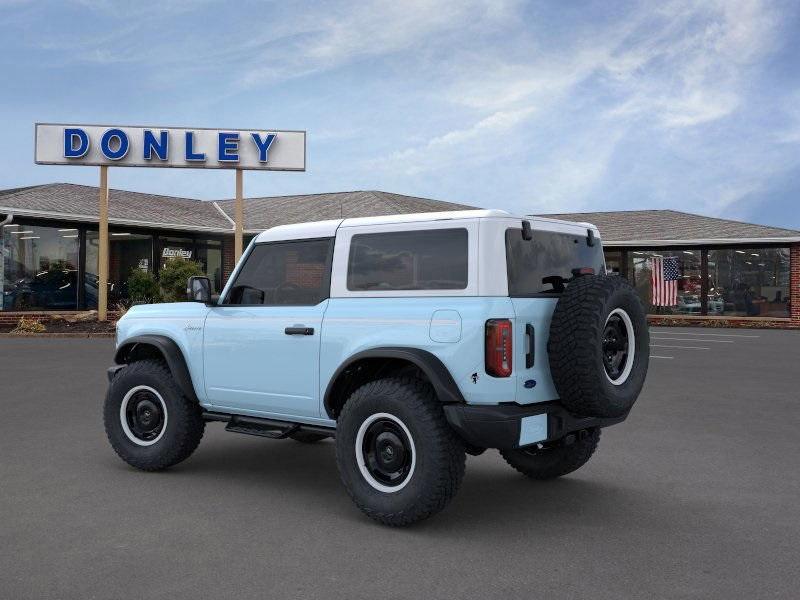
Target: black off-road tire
552, 462
308, 437
183, 428
586, 309
439, 457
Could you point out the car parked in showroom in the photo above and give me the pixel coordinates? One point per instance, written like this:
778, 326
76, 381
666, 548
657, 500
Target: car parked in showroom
411, 339
52, 288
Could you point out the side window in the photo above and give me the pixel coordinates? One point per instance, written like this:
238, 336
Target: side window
284, 274
428, 259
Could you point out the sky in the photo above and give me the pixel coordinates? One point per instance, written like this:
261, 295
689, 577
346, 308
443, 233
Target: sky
532, 107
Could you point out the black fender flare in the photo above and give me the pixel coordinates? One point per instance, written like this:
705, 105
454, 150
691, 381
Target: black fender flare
171, 353
442, 381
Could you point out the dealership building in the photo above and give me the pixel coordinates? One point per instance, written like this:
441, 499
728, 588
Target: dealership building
728, 271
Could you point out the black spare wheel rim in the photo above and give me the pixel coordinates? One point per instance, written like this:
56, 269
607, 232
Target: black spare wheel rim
615, 347
385, 452
143, 415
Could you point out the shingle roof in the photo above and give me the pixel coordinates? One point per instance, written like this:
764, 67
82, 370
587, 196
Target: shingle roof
263, 213
669, 226
80, 202
15, 190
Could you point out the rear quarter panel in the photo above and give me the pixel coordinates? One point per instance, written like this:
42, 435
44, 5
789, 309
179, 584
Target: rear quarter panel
352, 325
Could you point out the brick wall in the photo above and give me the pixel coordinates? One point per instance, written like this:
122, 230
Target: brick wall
228, 260
794, 283
12, 317
303, 275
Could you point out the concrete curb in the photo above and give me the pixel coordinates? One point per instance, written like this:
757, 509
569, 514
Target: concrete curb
55, 335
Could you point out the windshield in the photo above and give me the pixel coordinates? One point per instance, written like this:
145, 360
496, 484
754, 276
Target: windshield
542, 265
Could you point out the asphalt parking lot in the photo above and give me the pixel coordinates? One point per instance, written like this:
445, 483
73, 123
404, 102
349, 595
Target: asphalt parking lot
695, 496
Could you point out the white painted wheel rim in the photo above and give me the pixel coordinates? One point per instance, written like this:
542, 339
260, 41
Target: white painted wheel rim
626, 320
124, 420
362, 467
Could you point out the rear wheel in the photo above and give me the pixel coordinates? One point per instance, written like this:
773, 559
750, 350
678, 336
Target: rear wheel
548, 462
149, 422
397, 457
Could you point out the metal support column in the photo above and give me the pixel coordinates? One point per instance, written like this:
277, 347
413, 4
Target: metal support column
239, 218
102, 255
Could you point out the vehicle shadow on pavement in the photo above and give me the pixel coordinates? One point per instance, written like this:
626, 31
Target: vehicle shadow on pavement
488, 498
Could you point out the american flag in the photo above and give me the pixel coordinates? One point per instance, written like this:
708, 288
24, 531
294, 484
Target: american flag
664, 279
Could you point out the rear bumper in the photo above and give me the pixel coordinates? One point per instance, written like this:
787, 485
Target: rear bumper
508, 426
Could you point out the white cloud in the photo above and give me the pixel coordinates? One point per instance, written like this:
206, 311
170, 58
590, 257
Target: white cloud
567, 108
480, 142
536, 106
347, 32
567, 177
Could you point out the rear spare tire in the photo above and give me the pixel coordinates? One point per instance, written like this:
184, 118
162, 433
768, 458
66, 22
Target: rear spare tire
599, 346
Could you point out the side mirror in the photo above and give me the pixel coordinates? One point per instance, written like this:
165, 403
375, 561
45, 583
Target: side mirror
198, 289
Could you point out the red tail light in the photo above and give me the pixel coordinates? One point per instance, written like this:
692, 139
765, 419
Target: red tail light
498, 347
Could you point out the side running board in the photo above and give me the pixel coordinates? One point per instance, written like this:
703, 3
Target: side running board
268, 428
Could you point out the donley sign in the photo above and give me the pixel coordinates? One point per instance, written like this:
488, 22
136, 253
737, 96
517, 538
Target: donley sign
107, 146
197, 148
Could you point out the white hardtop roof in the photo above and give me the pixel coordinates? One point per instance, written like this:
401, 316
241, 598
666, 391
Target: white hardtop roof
322, 229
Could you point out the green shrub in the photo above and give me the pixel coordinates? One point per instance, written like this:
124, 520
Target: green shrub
173, 277
143, 287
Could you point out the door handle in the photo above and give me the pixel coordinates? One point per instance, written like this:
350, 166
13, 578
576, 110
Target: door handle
299, 331
531, 353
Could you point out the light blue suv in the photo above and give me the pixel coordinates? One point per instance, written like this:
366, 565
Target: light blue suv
411, 339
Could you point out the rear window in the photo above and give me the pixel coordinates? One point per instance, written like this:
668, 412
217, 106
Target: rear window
548, 256
432, 259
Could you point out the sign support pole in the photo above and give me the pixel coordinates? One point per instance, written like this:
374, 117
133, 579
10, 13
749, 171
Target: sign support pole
239, 214
102, 255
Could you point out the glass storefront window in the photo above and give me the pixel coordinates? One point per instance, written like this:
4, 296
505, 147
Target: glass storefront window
39, 268
209, 254
689, 283
176, 247
127, 252
747, 282
613, 262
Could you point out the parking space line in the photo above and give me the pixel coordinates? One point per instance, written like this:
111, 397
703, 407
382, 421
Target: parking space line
655, 356
686, 347
671, 339
735, 335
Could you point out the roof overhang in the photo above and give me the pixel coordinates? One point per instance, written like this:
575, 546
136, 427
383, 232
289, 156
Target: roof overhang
113, 221
705, 242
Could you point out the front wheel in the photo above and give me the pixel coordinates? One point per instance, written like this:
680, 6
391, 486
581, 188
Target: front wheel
548, 462
397, 456
149, 422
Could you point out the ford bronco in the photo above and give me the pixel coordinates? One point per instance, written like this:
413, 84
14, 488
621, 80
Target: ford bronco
412, 340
